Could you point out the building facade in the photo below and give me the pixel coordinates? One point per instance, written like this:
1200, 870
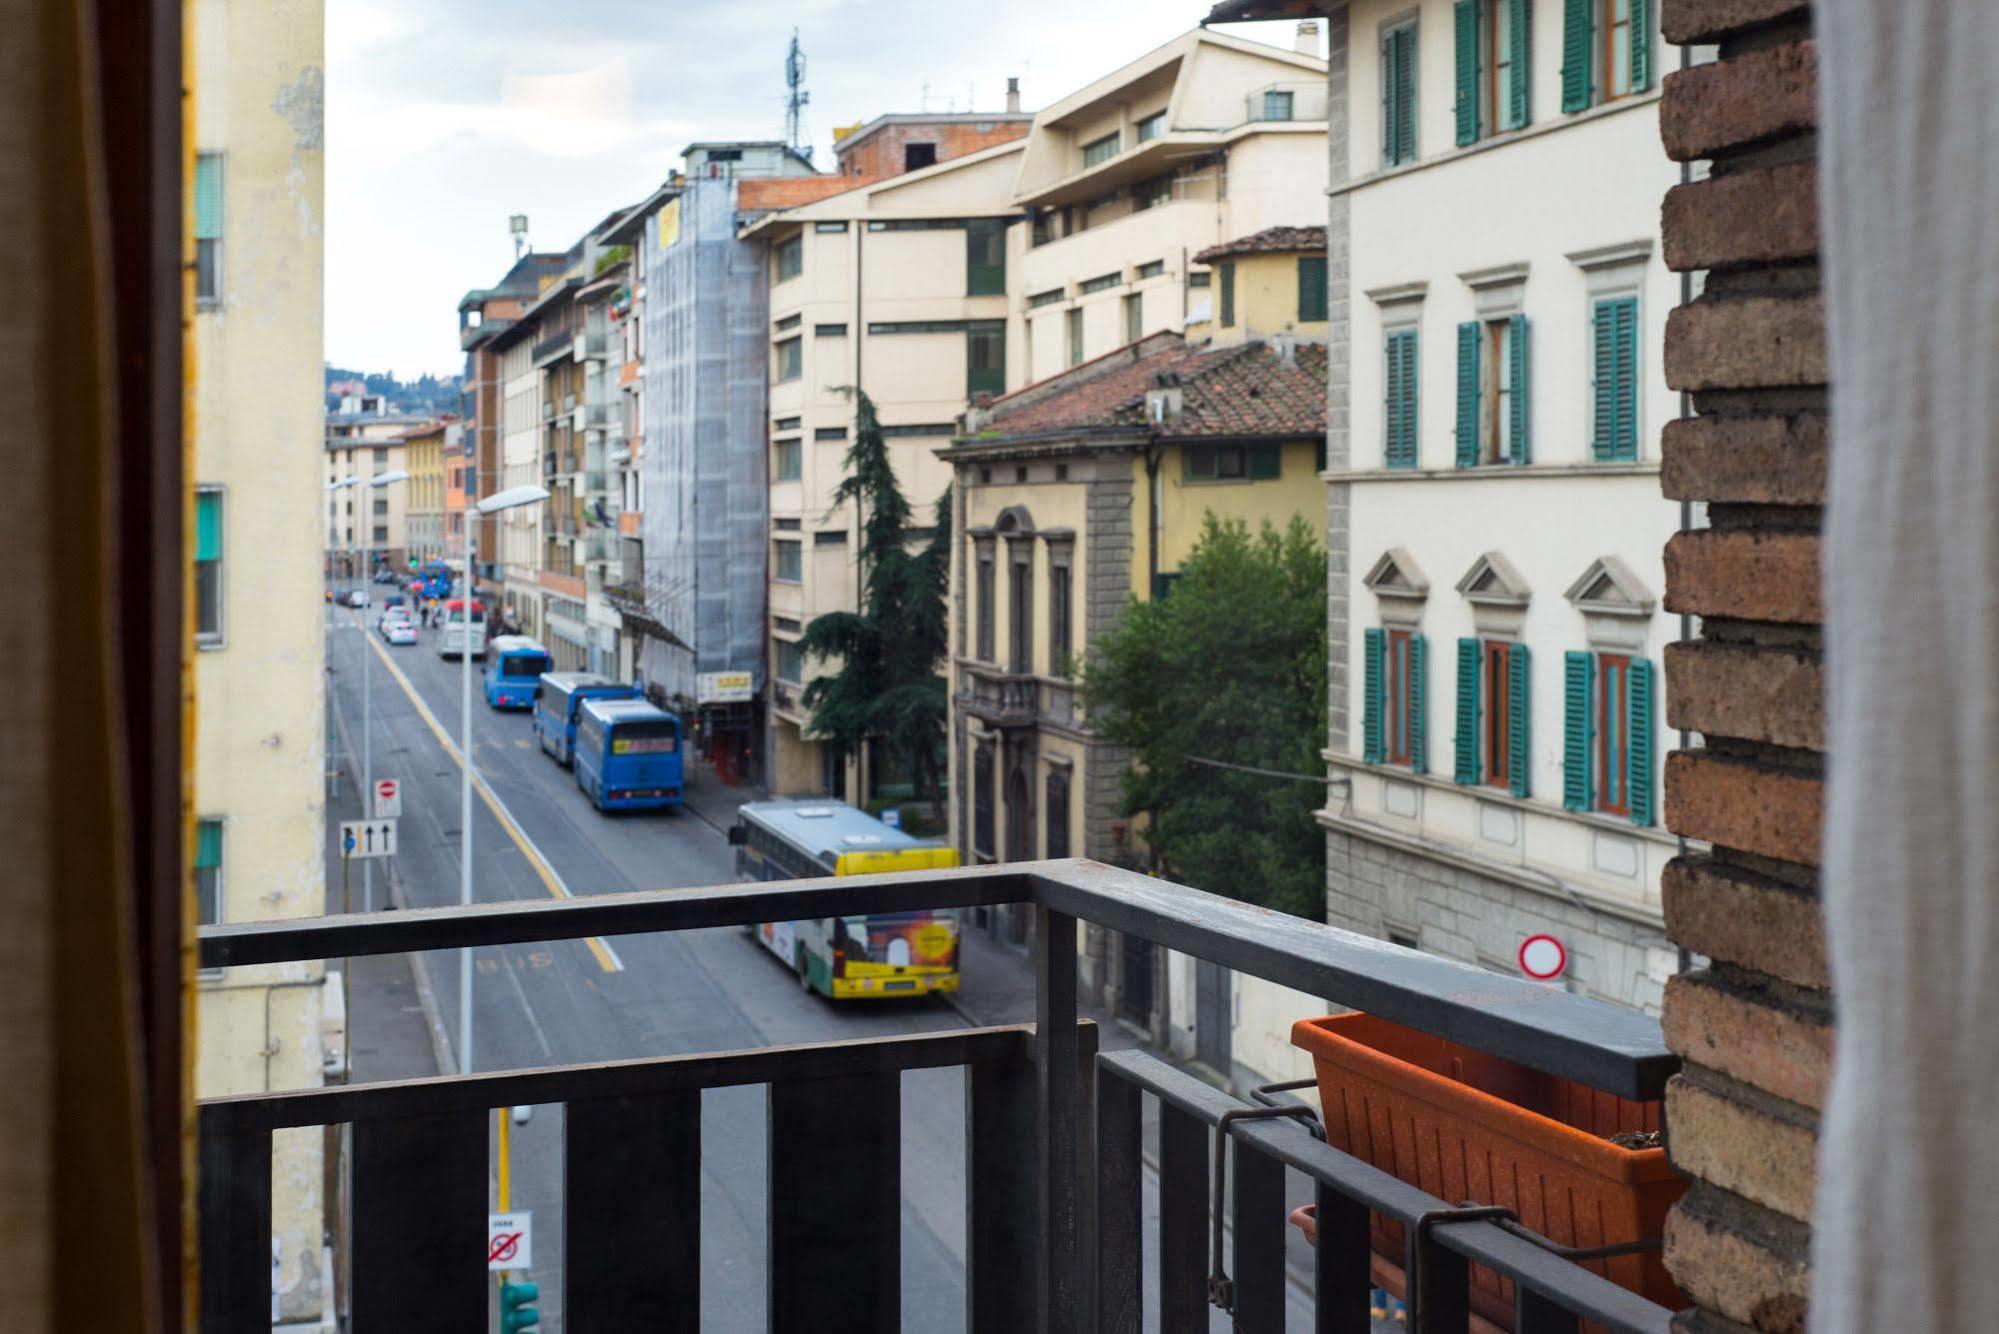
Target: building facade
259, 753
423, 514
458, 460
893, 144
1494, 503
367, 528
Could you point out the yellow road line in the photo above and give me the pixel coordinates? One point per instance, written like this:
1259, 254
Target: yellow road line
607, 958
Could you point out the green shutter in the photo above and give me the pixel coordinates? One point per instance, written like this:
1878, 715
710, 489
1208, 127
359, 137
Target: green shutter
208, 525
1467, 739
1638, 741
1374, 644
207, 844
208, 197
1467, 81
1516, 341
1265, 462
1519, 707
1311, 288
1520, 56
1228, 295
1641, 45
1578, 35
1401, 399
1578, 675
1624, 344
1468, 386
1603, 444
1419, 734
1405, 77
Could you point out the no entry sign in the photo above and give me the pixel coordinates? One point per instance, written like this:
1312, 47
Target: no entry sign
388, 799
1543, 958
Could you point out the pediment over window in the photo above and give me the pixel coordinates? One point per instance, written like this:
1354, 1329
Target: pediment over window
1396, 575
1609, 588
1493, 580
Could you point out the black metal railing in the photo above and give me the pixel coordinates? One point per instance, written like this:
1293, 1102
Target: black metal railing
1052, 1179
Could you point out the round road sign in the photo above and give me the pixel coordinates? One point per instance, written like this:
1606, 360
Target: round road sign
1543, 958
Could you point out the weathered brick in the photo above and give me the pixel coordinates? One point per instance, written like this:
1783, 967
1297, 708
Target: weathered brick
1750, 576
1778, 1048
1737, 1269
1749, 807
1746, 342
1708, 109
1738, 917
1752, 694
1751, 217
1700, 22
1745, 460
1766, 1154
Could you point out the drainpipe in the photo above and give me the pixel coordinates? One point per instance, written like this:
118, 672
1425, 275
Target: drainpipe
1152, 521
1686, 506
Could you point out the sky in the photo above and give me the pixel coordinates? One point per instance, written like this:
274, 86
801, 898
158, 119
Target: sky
446, 116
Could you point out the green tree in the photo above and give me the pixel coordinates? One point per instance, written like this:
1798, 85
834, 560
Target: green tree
1230, 667
886, 689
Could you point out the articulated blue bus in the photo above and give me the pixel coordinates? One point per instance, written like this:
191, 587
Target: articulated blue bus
628, 755
514, 664
556, 700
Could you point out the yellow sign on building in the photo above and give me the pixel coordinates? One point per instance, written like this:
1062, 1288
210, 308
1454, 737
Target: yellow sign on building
669, 224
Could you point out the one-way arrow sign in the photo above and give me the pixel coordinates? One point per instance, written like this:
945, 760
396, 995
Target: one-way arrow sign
367, 838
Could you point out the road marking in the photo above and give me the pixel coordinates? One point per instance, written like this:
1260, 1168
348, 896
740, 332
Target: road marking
607, 958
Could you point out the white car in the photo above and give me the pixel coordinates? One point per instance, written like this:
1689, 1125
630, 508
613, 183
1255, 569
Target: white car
358, 598
401, 631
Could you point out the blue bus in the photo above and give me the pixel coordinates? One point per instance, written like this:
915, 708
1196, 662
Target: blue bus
628, 755
556, 700
514, 664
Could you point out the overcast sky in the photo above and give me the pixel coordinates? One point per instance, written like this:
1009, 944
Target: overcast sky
446, 116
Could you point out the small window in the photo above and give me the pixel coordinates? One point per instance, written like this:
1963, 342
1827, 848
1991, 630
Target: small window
829, 331
985, 257
1276, 105
917, 156
1152, 270
790, 661
985, 361
1398, 95
1134, 317
790, 359
987, 590
208, 567
1047, 298
789, 259
831, 537
1201, 279
785, 461
1404, 696
830, 433
1153, 191
1074, 321
787, 423
1056, 814
829, 226
1061, 615
1103, 282
1399, 384
1020, 473
1102, 150
208, 872
1311, 289
790, 563
788, 323
1498, 726
381, 535
208, 228
381, 507
1227, 271
1151, 127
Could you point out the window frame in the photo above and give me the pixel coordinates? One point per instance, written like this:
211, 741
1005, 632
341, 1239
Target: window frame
985, 277
778, 560
1496, 720
788, 359
990, 378
1496, 391
207, 256
780, 649
216, 637
1610, 706
1061, 610
1398, 701
1073, 334
1225, 302
1148, 128
787, 259
1611, 451
1055, 802
1102, 149
790, 448
1134, 316
985, 592
1392, 151
1410, 405
1609, 70
1290, 104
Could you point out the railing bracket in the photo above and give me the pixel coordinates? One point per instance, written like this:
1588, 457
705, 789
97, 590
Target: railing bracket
1221, 1288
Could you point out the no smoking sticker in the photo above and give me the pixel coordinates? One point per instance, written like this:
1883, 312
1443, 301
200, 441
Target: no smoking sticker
510, 1240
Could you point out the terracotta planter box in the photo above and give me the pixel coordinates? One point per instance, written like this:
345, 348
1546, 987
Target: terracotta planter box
1466, 1126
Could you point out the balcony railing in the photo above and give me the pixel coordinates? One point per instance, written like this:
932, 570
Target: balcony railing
1016, 699
1051, 1134
551, 346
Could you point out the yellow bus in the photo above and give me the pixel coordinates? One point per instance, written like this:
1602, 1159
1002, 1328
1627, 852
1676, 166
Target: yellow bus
847, 958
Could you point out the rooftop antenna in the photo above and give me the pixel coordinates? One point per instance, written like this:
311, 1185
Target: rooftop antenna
794, 78
517, 226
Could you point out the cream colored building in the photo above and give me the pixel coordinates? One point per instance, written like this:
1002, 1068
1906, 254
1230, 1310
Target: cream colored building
259, 752
1202, 140
522, 424
899, 287
424, 504
367, 527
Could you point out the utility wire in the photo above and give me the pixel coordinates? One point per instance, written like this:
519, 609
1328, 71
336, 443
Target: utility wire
1319, 779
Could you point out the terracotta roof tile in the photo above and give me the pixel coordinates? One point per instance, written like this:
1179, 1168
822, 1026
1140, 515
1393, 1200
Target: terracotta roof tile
1247, 389
790, 191
1271, 240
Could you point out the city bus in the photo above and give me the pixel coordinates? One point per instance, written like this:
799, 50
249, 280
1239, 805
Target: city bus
456, 637
844, 958
514, 664
627, 755
556, 700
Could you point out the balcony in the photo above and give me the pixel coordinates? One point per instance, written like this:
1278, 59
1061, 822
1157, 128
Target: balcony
591, 346
1016, 699
594, 416
553, 347
1052, 1133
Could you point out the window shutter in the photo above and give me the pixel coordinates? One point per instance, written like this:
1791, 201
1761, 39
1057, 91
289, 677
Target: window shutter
1311, 288
1578, 33
1604, 361
1578, 675
1388, 57
1402, 413
1265, 462
1638, 741
1228, 295
1516, 341
208, 197
1624, 442
1519, 55
1519, 764
1641, 45
1467, 81
1374, 645
1401, 118
1467, 739
1419, 733
208, 844
1468, 384
208, 525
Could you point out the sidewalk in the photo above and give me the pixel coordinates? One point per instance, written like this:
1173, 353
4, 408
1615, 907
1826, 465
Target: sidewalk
710, 800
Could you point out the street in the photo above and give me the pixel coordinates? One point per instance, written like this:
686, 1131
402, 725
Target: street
575, 1001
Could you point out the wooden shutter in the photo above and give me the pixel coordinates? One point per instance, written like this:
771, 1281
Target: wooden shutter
1265, 462
1519, 766
1419, 744
1641, 45
1521, 450
1468, 387
1638, 741
1624, 352
1520, 57
1578, 675
1603, 443
1470, 663
1405, 60
1374, 646
1578, 36
1467, 73
1401, 400
1311, 288
1228, 295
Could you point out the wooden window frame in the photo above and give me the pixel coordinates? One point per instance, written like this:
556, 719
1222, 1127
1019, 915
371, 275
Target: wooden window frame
1398, 697
1496, 724
1496, 392
1611, 703
1611, 71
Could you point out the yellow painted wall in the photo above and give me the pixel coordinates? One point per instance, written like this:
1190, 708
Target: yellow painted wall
1266, 301
1184, 504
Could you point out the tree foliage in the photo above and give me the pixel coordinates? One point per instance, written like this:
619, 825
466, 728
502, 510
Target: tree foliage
1230, 667
887, 688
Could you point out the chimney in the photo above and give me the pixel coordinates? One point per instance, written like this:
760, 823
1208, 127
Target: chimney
1307, 42
1164, 399
1013, 85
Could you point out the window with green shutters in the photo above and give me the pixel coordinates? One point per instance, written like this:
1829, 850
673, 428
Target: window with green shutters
1373, 673
1311, 288
208, 566
1470, 657
1614, 380
1228, 295
208, 228
1398, 95
1392, 713
1469, 48
1229, 463
1470, 335
985, 360
1399, 399
1606, 51
1492, 392
1493, 48
207, 872
1578, 675
1609, 731
1512, 61
985, 257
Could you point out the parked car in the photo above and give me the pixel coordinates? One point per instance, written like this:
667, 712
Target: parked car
358, 598
385, 576
400, 630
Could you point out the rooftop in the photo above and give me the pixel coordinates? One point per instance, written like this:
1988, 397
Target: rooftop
1269, 241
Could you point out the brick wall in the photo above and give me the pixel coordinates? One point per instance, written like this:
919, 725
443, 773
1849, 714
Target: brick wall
881, 153
1754, 1025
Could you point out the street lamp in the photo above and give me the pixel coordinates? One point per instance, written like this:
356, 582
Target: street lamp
379, 480
512, 498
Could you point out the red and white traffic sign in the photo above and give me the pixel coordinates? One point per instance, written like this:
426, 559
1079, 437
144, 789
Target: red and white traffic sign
510, 1240
388, 799
1543, 958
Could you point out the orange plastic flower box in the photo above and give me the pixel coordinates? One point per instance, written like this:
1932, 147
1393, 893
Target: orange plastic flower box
1465, 1126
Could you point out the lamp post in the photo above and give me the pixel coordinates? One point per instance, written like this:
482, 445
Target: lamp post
512, 498
374, 483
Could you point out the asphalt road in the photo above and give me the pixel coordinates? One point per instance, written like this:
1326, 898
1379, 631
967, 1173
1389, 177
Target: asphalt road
575, 1001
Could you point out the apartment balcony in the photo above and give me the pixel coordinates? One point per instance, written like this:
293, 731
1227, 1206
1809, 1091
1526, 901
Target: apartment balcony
592, 346
471, 335
547, 410
554, 347
1015, 699
594, 416
1289, 100
1055, 1216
